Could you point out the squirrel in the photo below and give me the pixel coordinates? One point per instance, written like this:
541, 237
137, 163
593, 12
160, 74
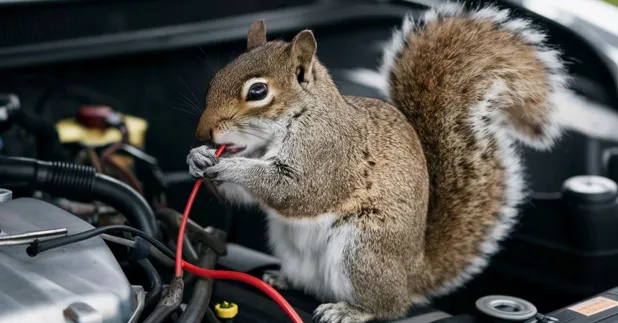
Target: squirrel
373, 205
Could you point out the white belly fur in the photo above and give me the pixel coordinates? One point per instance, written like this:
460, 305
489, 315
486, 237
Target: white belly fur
310, 250
312, 254
236, 194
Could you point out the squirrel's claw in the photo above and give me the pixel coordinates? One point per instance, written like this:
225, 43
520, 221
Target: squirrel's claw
341, 312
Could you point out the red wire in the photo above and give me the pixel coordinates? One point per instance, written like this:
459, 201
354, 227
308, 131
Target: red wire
185, 217
247, 279
225, 274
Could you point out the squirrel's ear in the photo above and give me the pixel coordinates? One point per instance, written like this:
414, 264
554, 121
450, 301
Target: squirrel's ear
257, 34
303, 50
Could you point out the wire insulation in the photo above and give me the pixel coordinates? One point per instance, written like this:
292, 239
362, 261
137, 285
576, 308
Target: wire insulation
247, 279
225, 274
185, 217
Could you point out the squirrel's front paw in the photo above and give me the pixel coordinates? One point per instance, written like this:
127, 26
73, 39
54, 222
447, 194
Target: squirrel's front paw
234, 169
275, 279
341, 312
199, 159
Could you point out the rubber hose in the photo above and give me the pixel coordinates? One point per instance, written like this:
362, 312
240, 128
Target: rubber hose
168, 303
202, 291
80, 183
210, 317
156, 286
172, 218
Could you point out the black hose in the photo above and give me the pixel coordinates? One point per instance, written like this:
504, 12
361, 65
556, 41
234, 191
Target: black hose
171, 232
211, 317
156, 286
172, 218
188, 250
126, 200
168, 303
80, 183
202, 291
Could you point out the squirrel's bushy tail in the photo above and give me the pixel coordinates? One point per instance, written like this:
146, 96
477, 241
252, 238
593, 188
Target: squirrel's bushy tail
473, 82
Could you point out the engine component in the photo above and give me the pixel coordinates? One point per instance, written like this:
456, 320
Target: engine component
590, 190
5, 195
599, 308
591, 208
85, 130
197, 306
81, 282
226, 311
9, 103
80, 183
169, 303
48, 145
506, 308
30, 237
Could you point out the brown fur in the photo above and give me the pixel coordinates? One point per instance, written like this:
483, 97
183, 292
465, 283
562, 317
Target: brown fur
466, 180
411, 178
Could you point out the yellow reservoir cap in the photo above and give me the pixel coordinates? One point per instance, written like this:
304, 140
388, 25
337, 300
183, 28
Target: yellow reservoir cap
226, 310
71, 131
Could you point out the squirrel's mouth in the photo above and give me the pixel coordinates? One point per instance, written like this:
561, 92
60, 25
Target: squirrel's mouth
233, 149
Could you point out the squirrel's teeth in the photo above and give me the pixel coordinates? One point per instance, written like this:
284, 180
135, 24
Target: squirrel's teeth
233, 149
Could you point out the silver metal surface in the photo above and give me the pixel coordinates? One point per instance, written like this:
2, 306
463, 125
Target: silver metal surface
140, 299
591, 185
44, 288
29, 237
495, 306
5, 195
82, 313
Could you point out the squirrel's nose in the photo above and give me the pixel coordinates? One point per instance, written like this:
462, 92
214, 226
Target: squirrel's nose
206, 127
204, 134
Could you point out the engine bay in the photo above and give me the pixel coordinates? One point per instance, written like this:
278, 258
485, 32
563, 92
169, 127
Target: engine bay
95, 127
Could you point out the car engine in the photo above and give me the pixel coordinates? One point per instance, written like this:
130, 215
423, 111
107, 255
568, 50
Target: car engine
81, 282
99, 101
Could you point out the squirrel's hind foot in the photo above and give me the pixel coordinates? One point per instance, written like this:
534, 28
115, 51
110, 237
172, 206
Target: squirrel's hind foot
275, 279
341, 312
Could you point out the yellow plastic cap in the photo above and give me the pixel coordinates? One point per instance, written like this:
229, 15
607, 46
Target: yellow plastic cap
226, 310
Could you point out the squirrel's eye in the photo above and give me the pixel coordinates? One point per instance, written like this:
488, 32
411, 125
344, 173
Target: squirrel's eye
257, 91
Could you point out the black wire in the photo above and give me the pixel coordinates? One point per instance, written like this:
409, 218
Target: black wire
197, 306
156, 288
39, 246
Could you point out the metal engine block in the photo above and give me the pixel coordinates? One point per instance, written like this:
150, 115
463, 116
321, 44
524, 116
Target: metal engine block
81, 282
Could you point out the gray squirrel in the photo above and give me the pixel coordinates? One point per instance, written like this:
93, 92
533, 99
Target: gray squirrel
374, 207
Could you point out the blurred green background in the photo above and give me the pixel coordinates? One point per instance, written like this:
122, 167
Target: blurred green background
614, 2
